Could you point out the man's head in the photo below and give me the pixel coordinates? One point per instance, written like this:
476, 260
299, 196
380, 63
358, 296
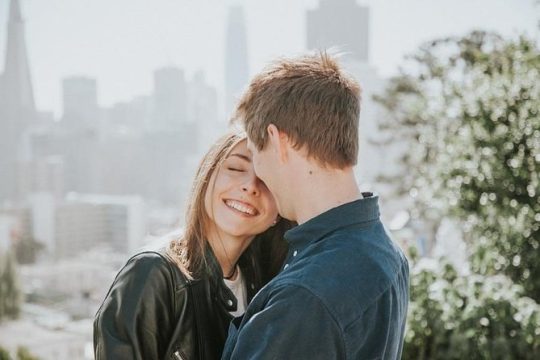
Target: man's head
306, 104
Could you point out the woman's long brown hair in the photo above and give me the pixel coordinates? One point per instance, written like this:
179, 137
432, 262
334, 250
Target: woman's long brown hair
190, 249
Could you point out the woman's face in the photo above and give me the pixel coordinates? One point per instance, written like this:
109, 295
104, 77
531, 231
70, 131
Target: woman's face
237, 201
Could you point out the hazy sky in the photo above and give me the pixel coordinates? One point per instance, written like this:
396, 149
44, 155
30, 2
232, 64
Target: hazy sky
121, 42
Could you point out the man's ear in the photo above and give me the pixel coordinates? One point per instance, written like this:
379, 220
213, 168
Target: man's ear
279, 141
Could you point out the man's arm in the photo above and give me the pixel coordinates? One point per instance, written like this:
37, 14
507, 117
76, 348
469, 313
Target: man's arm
294, 324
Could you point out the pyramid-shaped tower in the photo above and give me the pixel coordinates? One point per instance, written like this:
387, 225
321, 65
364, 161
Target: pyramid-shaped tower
16, 79
17, 107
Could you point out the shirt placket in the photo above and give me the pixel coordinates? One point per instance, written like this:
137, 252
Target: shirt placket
290, 258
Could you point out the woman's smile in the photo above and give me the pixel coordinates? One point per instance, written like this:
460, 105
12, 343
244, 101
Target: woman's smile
238, 202
241, 207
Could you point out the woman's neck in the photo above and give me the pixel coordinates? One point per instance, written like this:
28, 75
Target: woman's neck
228, 249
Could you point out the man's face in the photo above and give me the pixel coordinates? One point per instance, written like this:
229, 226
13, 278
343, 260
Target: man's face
260, 160
264, 163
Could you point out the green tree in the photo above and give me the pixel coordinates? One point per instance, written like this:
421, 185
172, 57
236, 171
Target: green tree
10, 292
4, 354
27, 249
469, 108
468, 317
24, 354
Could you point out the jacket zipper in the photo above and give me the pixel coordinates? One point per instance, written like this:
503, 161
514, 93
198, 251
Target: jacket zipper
178, 356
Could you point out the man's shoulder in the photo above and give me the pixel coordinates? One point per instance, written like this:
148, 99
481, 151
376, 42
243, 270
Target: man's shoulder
347, 272
369, 247
364, 254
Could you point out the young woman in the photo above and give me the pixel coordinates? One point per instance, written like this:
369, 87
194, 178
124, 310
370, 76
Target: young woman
177, 302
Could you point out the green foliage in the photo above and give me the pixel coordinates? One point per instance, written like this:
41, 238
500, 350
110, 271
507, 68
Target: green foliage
4, 354
27, 249
24, 354
10, 292
472, 317
470, 107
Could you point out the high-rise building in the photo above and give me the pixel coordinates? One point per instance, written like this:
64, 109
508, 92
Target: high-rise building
17, 84
43, 174
169, 99
236, 57
203, 112
344, 26
81, 124
82, 222
341, 24
133, 116
80, 103
17, 107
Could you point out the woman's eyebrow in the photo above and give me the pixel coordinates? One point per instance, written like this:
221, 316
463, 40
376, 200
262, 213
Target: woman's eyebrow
242, 156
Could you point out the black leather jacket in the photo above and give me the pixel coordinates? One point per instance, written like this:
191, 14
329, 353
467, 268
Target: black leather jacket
152, 311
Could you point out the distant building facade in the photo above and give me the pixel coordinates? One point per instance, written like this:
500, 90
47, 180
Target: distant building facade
170, 99
82, 222
342, 24
236, 57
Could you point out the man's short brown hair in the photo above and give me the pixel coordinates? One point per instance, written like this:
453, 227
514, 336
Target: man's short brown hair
310, 99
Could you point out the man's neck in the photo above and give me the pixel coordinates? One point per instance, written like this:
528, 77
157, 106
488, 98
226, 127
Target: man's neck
323, 190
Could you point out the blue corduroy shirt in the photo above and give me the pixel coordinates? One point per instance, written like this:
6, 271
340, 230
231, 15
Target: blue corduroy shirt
342, 293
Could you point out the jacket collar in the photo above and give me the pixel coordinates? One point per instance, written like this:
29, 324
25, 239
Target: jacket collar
215, 278
355, 212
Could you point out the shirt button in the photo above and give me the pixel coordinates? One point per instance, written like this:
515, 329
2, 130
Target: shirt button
229, 302
286, 266
295, 253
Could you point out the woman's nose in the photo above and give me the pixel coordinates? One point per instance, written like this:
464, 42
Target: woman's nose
251, 186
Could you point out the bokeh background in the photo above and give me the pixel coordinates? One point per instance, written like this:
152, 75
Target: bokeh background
106, 107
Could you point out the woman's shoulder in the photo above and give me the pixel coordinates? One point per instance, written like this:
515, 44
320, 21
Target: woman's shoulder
155, 264
148, 259
160, 242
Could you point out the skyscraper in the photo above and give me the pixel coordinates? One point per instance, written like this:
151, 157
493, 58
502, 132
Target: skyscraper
16, 78
170, 99
80, 102
83, 221
203, 111
80, 139
236, 57
342, 24
345, 25
17, 107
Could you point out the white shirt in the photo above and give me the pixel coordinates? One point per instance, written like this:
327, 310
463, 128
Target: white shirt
238, 288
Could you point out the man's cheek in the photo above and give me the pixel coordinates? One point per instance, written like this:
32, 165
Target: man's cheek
259, 169
256, 166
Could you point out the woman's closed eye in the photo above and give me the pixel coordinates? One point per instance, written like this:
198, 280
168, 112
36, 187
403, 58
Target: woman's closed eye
238, 163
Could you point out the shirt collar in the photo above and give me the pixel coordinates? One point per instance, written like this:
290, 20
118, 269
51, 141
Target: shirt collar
355, 212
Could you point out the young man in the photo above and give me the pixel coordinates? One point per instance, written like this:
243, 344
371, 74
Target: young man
343, 290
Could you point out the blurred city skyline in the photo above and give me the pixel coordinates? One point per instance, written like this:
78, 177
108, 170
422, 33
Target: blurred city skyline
121, 44
107, 107
129, 164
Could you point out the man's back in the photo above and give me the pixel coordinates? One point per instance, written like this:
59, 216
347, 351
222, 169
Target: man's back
342, 294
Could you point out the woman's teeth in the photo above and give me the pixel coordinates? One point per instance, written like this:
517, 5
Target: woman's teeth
245, 208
